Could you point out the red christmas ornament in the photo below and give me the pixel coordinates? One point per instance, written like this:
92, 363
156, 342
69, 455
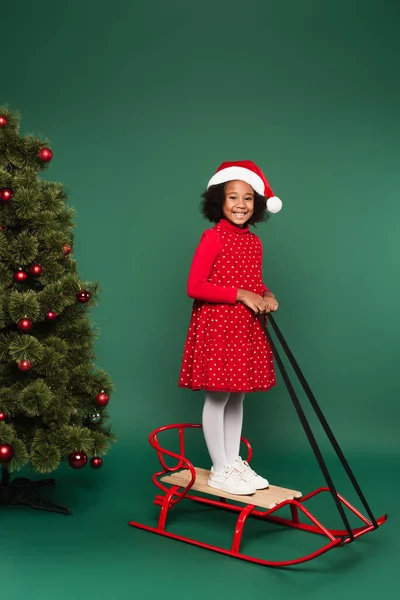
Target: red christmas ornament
24, 365
3, 121
66, 249
96, 462
45, 154
102, 399
50, 315
25, 324
6, 453
36, 269
1, 227
20, 276
6, 194
77, 460
83, 296
3, 416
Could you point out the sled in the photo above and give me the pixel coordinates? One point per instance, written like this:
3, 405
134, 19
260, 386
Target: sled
184, 481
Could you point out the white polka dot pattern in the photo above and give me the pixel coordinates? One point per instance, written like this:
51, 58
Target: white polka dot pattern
226, 348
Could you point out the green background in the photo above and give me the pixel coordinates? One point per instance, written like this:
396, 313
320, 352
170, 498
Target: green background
141, 102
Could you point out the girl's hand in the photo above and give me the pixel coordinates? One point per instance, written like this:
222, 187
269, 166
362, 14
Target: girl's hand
270, 303
253, 301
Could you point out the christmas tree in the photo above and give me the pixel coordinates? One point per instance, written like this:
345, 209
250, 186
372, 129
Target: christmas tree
53, 398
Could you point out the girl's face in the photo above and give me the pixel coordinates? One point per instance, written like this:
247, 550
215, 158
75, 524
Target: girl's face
238, 207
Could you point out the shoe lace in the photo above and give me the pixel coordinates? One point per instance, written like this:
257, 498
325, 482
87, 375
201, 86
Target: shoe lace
233, 473
246, 466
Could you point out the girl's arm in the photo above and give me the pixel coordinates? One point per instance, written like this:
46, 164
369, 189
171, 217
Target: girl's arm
270, 302
198, 286
267, 292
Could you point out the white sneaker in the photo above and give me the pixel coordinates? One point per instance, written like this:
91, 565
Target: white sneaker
260, 483
230, 480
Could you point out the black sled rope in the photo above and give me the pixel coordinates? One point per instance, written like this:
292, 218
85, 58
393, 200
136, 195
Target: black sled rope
306, 425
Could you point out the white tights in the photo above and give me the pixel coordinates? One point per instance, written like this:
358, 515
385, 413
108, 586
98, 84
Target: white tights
222, 426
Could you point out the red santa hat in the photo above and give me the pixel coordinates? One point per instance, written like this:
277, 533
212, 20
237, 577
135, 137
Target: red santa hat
247, 171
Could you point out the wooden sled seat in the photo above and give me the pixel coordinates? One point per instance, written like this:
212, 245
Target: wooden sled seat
267, 498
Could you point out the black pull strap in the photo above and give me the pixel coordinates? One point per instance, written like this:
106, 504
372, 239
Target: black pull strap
307, 429
322, 419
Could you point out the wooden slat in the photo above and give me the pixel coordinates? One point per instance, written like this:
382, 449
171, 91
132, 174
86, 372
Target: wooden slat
264, 498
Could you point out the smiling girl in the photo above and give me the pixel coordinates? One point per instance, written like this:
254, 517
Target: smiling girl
226, 353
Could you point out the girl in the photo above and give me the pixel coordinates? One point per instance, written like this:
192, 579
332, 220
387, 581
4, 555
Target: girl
226, 353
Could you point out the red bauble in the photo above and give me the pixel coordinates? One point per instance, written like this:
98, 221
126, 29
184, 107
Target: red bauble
24, 365
96, 462
3, 121
45, 154
20, 276
6, 453
3, 416
6, 194
36, 269
25, 324
77, 460
66, 249
50, 315
102, 399
83, 296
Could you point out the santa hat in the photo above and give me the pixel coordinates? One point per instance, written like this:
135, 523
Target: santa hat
247, 171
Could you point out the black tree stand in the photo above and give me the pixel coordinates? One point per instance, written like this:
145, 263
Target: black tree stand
22, 492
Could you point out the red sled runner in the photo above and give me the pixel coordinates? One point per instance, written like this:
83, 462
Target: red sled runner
183, 479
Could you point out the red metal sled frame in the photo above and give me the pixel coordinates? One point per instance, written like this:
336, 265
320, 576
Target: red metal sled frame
174, 494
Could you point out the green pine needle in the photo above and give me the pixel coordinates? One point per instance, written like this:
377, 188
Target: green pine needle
24, 304
26, 203
44, 457
3, 245
74, 439
21, 456
101, 442
7, 433
35, 398
9, 399
23, 249
24, 347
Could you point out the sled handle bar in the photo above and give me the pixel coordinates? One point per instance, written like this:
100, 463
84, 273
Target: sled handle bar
306, 425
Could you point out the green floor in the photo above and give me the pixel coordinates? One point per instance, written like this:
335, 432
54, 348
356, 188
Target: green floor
95, 554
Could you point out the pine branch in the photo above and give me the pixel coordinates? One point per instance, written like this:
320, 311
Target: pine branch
102, 441
24, 347
7, 433
23, 305
44, 457
23, 249
9, 398
73, 439
26, 203
3, 246
2, 312
21, 456
35, 398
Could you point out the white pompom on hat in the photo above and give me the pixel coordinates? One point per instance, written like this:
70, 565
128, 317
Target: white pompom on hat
246, 170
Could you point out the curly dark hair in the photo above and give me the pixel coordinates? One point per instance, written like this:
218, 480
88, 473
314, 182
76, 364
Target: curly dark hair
213, 201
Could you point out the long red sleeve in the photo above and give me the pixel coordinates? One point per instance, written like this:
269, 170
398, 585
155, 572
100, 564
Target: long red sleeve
265, 287
198, 286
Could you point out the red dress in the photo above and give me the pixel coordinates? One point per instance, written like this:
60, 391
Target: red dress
226, 349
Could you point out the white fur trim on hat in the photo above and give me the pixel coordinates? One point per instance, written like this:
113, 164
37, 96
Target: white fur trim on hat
234, 173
